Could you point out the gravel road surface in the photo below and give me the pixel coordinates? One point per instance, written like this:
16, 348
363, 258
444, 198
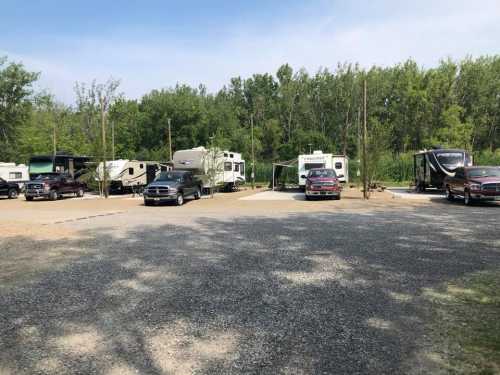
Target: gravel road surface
158, 290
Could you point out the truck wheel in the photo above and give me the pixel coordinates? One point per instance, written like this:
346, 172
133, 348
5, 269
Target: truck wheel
147, 202
449, 194
53, 195
80, 193
337, 198
179, 200
29, 199
12, 194
468, 199
197, 193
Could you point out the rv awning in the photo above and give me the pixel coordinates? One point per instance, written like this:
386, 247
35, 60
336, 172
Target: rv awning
278, 168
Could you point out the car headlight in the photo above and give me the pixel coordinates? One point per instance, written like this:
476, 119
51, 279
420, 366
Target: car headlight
172, 190
475, 186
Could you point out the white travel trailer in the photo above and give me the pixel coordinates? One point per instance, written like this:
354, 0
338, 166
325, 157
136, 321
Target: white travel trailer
129, 175
317, 159
228, 167
11, 172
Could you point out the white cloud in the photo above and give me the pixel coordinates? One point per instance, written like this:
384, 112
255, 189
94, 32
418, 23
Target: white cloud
427, 31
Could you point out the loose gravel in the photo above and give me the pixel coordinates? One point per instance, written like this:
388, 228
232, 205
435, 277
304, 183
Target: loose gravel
303, 293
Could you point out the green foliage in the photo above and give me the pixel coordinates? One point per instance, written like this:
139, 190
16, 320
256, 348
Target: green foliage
455, 104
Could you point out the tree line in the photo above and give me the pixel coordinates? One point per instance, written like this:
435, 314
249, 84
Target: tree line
455, 104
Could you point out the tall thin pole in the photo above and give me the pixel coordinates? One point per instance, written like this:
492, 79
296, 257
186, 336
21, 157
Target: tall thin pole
169, 140
54, 140
113, 140
365, 172
103, 134
253, 154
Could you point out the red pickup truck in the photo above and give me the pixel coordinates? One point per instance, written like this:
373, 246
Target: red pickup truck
474, 184
322, 183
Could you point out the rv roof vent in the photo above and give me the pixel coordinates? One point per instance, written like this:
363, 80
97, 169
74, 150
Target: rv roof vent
317, 152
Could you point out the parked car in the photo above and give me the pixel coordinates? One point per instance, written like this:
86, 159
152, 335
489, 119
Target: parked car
53, 186
322, 182
9, 189
474, 184
172, 186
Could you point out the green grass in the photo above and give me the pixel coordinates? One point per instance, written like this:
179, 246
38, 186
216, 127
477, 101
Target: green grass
468, 324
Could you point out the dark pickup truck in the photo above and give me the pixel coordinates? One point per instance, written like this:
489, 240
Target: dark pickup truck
53, 186
9, 189
474, 184
172, 186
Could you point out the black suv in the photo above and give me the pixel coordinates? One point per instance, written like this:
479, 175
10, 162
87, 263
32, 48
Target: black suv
9, 189
172, 186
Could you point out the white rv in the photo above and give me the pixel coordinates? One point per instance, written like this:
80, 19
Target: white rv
317, 159
129, 175
11, 172
228, 166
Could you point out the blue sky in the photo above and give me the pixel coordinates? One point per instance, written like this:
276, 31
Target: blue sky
155, 44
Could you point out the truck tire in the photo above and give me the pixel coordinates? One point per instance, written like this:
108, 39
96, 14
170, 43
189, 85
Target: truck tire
337, 198
179, 201
53, 195
29, 199
449, 194
12, 194
197, 193
468, 199
80, 193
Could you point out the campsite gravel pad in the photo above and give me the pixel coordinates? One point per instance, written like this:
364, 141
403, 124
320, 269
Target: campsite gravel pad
305, 293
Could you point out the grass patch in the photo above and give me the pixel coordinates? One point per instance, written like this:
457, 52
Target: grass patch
467, 325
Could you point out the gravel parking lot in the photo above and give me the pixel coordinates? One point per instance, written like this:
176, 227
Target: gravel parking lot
232, 286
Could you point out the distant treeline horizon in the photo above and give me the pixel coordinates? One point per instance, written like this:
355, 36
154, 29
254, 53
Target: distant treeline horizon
455, 104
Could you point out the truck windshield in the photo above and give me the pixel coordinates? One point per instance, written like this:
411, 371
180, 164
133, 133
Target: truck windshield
169, 176
450, 159
324, 173
46, 177
484, 172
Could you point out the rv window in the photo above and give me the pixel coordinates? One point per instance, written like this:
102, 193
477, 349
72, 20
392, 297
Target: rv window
231, 155
131, 171
228, 166
225, 154
308, 166
236, 167
338, 165
141, 166
15, 175
242, 168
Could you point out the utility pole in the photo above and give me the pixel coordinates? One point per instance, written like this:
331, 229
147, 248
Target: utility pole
253, 153
169, 140
54, 139
103, 134
113, 140
365, 174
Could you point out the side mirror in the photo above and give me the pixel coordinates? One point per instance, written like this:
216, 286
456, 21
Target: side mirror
303, 176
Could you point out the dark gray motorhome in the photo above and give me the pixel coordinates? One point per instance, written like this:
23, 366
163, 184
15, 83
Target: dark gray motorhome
432, 166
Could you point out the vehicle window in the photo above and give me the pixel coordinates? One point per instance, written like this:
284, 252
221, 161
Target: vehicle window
131, 171
228, 166
171, 176
338, 165
450, 159
459, 173
141, 166
308, 166
236, 167
483, 172
2, 180
242, 168
15, 175
231, 155
325, 173
225, 154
